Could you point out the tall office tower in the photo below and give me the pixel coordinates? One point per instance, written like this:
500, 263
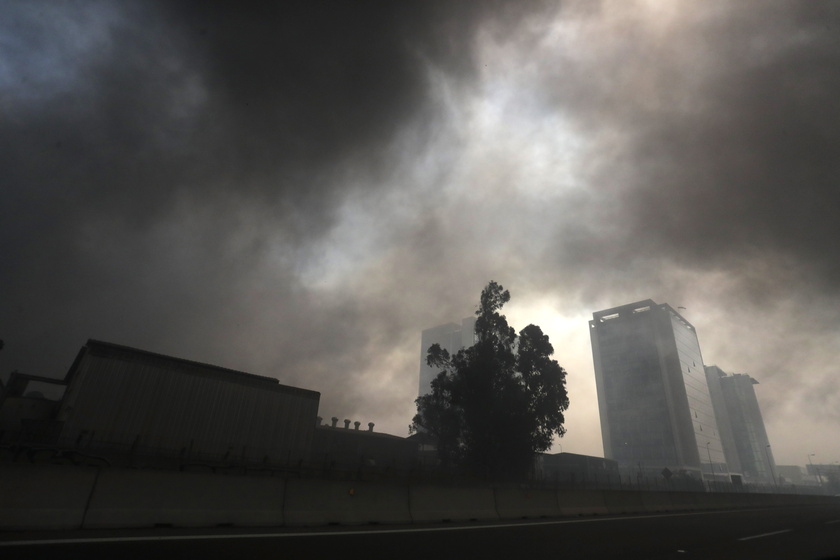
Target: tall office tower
654, 402
727, 438
451, 337
737, 404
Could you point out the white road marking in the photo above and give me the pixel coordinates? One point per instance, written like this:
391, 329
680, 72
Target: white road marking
834, 521
153, 538
766, 535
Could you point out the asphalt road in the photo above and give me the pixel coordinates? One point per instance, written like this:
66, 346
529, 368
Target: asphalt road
791, 533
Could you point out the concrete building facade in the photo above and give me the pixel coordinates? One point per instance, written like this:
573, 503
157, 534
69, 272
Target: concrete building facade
451, 337
654, 402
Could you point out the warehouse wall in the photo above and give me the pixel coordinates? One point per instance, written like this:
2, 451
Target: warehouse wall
123, 399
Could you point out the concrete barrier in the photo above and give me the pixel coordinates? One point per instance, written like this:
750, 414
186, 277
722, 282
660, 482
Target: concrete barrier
703, 501
723, 500
656, 502
684, 501
70, 497
761, 500
44, 497
129, 498
581, 502
324, 502
783, 499
623, 501
520, 503
435, 503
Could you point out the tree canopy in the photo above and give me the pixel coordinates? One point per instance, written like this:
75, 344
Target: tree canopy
494, 404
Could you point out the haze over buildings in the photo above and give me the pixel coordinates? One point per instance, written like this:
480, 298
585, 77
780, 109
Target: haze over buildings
451, 337
662, 408
298, 189
749, 444
121, 406
655, 406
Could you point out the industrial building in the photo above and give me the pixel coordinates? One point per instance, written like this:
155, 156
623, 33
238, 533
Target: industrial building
573, 469
451, 337
794, 475
120, 401
122, 406
344, 448
28, 405
654, 402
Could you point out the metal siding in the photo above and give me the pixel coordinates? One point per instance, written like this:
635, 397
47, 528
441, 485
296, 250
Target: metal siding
120, 400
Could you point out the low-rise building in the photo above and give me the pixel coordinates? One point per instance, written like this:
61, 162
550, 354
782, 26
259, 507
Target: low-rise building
344, 447
124, 402
573, 469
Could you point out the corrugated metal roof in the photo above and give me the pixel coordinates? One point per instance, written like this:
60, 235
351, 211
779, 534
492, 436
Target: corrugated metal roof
111, 350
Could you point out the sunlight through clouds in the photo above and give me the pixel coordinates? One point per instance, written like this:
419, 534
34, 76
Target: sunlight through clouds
299, 193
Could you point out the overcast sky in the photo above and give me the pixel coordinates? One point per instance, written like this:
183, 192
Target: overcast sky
299, 191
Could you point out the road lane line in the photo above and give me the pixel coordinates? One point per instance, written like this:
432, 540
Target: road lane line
194, 537
831, 522
766, 535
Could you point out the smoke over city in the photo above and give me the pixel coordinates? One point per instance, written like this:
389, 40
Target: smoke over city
299, 190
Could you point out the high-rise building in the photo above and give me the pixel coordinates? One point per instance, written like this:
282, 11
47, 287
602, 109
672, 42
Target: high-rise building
727, 438
654, 402
451, 337
748, 445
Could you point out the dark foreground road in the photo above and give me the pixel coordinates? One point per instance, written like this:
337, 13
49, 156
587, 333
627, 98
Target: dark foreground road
792, 533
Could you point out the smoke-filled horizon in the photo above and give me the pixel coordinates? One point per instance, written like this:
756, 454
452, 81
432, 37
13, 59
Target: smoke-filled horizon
299, 190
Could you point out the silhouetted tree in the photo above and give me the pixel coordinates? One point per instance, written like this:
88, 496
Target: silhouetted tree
495, 404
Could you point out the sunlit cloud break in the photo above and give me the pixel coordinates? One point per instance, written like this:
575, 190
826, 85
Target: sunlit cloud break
299, 190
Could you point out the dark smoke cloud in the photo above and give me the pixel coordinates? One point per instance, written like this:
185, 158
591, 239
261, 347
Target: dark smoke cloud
168, 166
728, 139
713, 174
297, 189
